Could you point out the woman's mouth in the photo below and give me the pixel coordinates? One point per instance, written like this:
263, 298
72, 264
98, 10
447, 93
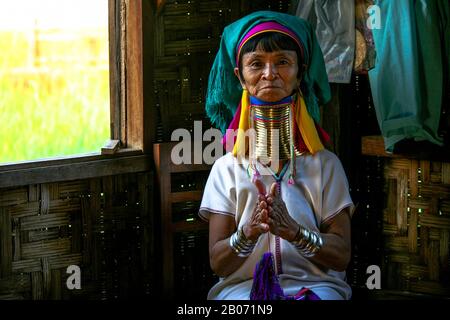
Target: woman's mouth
269, 87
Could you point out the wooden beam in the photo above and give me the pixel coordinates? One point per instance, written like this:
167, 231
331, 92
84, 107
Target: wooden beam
134, 76
374, 146
418, 150
114, 67
160, 6
74, 170
148, 70
5, 243
195, 195
160, 153
184, 226
32, 164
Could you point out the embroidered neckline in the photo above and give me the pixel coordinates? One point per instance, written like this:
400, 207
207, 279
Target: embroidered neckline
277, 178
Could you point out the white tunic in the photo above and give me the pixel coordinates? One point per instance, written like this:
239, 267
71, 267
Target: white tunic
319, 193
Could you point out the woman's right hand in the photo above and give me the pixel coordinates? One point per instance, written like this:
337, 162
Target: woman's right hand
223, 258
257, 224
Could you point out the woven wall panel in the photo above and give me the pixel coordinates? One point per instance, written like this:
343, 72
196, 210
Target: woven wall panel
367, 225
417, 226
193, 275
13, 196
102, 225
187, 37
186, 41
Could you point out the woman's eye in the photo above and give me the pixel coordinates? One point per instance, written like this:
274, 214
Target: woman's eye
256, 64
283, 62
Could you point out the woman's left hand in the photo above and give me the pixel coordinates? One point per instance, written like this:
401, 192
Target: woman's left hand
280, 222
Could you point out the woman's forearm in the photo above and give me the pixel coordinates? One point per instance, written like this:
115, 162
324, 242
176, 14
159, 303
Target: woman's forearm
224, 261
334, 254
335, 250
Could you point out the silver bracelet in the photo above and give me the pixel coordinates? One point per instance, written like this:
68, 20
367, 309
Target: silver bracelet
307, 242
242, 246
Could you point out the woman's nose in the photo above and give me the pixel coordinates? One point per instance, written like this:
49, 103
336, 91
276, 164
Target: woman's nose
270, 71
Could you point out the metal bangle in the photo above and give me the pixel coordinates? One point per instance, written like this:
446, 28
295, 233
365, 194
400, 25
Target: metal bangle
242, 246
307, 242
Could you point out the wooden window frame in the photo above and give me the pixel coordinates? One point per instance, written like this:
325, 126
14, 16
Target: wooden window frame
129, 148
126, 77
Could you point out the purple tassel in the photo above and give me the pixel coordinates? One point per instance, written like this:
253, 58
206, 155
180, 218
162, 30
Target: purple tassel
304, 294
266, 285
265, 282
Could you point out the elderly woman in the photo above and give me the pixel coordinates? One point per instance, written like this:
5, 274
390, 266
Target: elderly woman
285, 195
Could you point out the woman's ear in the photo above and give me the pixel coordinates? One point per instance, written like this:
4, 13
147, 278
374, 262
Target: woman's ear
301, 73
236, 72
302, 70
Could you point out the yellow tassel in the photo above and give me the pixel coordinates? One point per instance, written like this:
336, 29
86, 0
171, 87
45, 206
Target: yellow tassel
307, 127
240, 147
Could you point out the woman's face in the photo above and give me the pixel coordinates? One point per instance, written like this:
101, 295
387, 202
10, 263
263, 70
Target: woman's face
269, 76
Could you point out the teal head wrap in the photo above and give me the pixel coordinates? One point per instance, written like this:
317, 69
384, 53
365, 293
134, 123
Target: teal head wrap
224, 89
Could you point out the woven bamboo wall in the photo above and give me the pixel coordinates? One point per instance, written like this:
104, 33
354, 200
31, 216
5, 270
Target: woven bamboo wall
403, 220
102, 225
367, 223
186, 41
417, 226
192, 271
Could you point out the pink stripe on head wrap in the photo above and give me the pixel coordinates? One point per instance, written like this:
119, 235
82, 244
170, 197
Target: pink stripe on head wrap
270, 26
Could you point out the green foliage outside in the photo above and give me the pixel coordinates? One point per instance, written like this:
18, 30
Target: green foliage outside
54, 96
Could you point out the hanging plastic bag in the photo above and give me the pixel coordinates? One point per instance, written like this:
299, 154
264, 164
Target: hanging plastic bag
334, 22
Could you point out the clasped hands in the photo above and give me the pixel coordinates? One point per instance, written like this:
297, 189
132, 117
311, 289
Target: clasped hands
270, 214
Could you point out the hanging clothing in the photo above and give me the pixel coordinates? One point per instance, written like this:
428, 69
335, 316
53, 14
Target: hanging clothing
364, 46
320, 192
334, 23
408, 81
